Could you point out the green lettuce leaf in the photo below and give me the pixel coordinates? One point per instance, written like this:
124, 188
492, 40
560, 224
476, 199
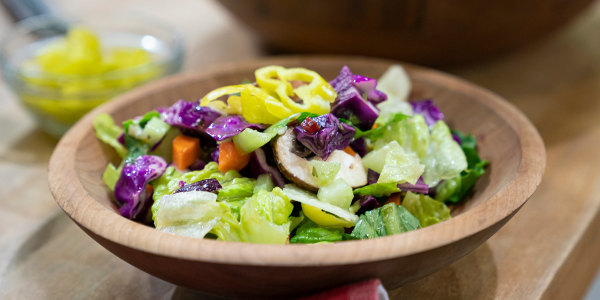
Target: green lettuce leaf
455, 189
265, 217
264, 183
337, 193
378, 189
111, 175
250, 139
426, 209
394, 164
192, 214
324, 171
410, 133
309, 233
108, 132
166, 184
386, 220
445, 158
236, 189
210, 170
396, 84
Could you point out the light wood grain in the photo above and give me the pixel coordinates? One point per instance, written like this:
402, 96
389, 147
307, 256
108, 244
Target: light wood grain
506, 138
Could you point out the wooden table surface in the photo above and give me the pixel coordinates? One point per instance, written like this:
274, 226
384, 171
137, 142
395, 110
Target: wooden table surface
548, 250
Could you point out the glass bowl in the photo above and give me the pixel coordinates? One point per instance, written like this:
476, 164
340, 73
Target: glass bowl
57, 101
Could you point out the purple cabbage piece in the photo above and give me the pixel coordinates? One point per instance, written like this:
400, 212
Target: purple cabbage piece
419, 187
368, 86
258, 165
214, 156
457, 139
331, 136
372, 176
225, 127
207, 185
121, 139
429, 111
367, 202
197, 165
350, 103
130, 189
189, 115
359, 146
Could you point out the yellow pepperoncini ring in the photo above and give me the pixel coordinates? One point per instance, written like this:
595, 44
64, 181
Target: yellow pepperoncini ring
260, 107
313, 91
253, 103
272, 100
233, 105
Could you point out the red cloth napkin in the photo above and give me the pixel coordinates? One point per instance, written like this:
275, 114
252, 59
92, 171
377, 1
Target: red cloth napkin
371, 289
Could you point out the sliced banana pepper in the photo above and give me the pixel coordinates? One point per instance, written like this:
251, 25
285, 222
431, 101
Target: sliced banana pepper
273, 99
314, 94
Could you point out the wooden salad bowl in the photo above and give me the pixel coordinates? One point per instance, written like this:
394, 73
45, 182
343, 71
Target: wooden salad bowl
419, 31
506, 138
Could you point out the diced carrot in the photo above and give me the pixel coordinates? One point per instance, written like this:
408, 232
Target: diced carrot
185, 151
349, 150
231, 158
374, 126
394, 198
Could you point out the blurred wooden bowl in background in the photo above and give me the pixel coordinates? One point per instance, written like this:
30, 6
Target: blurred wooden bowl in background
420, 31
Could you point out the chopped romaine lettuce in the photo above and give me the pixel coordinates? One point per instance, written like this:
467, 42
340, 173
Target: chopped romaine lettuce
111, 175
386, 220
337, 193
444, 159
309, 233
427, 210
236, 189
192, 214
396, 85
249, 139
109, 133
265, 217
378, 189
324, 171
401, 166
394, 164
410, 133
453, 190
307, 198
264, 183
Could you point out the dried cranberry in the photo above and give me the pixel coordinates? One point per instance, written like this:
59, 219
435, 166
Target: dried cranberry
310, 125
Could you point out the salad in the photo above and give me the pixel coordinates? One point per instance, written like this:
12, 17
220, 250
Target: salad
292, 158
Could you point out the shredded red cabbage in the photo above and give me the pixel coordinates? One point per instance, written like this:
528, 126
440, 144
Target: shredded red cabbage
225, 127
368, 86
332, 135
188, 115
359, 146
259, 165
350, 103
367, 202
130, 189
429, 111
206, 185
372, 176
419, 187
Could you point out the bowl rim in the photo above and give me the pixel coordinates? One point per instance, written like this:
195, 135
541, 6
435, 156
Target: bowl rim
92, 216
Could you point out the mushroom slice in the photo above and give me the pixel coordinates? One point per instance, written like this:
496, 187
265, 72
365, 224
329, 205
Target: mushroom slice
299, 170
